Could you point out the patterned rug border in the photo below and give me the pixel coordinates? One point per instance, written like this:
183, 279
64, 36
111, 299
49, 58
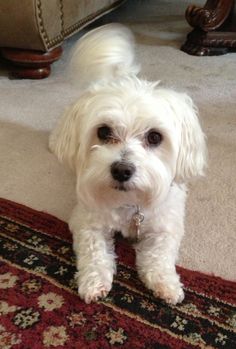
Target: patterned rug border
25, 215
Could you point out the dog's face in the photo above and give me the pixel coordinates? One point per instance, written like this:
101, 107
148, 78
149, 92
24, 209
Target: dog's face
130, 141
128, 150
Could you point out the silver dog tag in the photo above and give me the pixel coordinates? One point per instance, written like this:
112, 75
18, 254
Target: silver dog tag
136, 221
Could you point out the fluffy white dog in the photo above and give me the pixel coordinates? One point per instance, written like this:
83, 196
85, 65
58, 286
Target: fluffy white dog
132, 145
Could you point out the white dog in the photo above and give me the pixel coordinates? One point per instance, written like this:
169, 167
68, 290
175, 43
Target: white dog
132, 146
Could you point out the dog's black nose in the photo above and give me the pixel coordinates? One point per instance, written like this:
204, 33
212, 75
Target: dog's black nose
122, 171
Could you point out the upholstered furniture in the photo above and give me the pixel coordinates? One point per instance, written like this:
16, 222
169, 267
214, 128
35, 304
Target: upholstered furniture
32, 31
214, 26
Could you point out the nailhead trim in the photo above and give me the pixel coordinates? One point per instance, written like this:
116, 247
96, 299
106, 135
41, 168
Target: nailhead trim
62, 17
50, 43
42, 29
80, 24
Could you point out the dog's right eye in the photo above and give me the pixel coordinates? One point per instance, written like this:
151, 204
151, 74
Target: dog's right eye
104, 133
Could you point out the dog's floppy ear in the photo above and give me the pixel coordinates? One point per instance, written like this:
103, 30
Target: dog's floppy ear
65, 138
192, 151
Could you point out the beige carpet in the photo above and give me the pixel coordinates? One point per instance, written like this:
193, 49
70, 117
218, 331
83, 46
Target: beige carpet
29, 174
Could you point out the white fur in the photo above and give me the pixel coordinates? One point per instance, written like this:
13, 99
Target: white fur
115, 96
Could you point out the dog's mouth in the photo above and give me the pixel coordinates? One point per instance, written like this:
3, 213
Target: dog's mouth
121, 187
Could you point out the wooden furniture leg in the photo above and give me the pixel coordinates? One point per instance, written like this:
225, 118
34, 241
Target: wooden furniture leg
28, 64
214, 30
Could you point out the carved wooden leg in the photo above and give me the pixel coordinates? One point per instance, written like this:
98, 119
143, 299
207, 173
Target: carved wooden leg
214, 30
28, 64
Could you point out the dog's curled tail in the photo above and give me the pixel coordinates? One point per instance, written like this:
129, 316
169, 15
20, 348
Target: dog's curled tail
106, 52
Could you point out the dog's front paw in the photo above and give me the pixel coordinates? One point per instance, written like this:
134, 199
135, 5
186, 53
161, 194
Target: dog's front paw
171, 293
167, 287
93, 288
94, 294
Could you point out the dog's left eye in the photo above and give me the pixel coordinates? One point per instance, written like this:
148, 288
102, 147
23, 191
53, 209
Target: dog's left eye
154, 138
104, 133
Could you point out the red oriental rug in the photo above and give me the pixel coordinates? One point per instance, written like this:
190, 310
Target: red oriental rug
40, 308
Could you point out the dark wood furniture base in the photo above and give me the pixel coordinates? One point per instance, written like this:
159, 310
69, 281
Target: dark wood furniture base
27, 64
214, 30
